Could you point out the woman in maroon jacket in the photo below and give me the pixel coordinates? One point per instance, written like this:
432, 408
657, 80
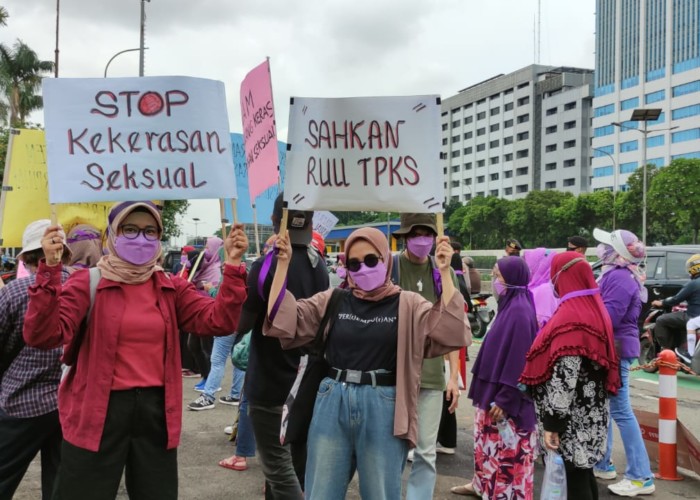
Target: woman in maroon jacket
121, 403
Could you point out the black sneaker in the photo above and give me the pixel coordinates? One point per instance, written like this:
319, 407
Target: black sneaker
684, 356
228, 400
203, 402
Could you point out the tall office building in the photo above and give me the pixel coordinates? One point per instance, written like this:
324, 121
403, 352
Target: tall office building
647, 56
515, 133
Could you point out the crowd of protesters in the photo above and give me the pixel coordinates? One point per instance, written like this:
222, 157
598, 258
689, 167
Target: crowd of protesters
98, 340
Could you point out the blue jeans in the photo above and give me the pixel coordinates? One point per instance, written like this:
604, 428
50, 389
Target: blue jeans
638, 467
220, 352
421, 481
245, 439
353, 429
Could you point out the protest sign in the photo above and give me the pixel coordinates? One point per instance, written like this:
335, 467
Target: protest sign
259, 129
113, 139
265, 201
25, 195
324, 222
365, 153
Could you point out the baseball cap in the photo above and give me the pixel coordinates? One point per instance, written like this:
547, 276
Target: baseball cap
298, 222
33, 233
620, 240
411, 220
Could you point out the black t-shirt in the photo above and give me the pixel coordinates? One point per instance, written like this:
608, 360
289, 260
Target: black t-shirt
364, 335
272, 370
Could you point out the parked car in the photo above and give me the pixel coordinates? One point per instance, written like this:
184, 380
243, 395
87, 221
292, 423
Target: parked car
666, 274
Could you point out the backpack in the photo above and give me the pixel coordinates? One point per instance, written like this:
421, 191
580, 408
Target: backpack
71, 356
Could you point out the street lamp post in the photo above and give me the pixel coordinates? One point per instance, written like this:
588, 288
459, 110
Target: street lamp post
143, 36
614, 179
644, 115
118, 54
196, 221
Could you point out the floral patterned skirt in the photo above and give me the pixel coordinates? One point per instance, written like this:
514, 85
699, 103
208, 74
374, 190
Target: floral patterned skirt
501, 473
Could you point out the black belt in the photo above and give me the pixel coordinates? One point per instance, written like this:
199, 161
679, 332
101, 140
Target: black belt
375, 377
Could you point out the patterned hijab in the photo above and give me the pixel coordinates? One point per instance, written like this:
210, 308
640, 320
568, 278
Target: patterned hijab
114, 267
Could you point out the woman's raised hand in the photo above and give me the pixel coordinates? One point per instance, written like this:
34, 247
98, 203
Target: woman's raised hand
52, 244
236, 245
443, 252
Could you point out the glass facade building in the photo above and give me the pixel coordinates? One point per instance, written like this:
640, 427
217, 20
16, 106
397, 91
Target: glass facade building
647, 56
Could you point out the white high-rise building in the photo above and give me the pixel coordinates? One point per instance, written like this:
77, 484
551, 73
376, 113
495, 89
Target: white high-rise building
515, 133
647, 56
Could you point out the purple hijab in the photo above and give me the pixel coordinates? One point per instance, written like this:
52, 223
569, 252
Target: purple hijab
209, 268
539, 261
501, 358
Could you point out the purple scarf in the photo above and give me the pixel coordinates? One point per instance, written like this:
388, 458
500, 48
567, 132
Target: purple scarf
209, 268
539, 261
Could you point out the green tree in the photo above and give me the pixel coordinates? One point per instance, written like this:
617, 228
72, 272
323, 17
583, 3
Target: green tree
674, 199
21, 72
530, 219
480, 222
3, 16
171, 209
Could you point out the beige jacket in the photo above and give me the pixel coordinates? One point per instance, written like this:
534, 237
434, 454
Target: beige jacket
425, 331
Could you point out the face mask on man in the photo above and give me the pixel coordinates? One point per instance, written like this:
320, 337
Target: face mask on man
137, 251
420, 246
369, 278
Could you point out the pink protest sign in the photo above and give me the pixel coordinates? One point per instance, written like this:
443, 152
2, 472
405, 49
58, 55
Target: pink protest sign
259, 132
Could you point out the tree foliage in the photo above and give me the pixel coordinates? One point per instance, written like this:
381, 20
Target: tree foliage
21, 72
171, 209
673, 201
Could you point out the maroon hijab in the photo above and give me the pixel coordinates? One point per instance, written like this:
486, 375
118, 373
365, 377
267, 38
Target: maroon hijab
579, 327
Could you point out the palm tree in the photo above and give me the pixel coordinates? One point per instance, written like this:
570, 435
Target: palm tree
21, 72
3, 16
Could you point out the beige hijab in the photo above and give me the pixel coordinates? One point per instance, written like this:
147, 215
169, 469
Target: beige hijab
375, 238
112, 266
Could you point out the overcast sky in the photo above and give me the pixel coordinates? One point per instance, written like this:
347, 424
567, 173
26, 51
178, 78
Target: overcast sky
317, 48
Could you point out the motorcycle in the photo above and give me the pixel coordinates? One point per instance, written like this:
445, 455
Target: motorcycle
649, 344
481, 315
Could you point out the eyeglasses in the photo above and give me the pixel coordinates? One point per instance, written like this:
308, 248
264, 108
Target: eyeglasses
131, 232
370, 260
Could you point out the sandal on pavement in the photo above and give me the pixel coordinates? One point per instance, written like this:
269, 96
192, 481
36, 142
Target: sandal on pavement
466, 490
234, 463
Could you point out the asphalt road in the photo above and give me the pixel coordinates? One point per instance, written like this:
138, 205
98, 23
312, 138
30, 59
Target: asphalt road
204, 444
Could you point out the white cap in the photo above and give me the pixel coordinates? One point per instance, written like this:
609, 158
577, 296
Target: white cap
33, 233
614, 239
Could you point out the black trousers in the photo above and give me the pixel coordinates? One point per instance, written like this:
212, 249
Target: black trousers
283, 465
188, 362
133, 442
670, 329
447, 433
580, 483
200, 347
20, 440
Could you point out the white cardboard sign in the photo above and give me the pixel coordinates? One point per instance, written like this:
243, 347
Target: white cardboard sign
113, 139
324, 222
365, 153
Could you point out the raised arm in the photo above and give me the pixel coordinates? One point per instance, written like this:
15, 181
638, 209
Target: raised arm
443, 255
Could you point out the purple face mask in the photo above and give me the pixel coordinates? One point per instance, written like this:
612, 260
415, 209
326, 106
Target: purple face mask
369, 278
341, 272
420, 246
137, 251
499, 288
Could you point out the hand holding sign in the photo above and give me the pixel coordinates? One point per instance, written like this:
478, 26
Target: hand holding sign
236, 245
443, 253
52, 244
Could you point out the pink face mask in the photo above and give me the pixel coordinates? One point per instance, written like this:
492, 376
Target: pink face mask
341, 272
420, 246
369, 278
